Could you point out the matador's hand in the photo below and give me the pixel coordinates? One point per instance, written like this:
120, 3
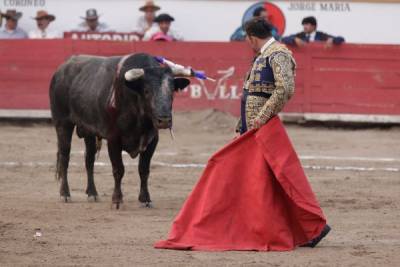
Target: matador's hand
256, 123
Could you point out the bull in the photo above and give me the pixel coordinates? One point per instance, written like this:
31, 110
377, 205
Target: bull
125, 100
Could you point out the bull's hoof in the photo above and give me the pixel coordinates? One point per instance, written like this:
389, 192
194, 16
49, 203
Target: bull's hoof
91, 192
65, 199
93, 198
144, 197
116, 202
117, 199
148, 205
116, 205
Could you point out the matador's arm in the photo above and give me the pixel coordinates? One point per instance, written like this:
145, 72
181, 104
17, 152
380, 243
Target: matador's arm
283, 68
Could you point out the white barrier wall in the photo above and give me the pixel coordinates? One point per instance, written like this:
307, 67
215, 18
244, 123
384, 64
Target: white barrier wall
200, 20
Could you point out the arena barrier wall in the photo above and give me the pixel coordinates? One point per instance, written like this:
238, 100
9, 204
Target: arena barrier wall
345, 83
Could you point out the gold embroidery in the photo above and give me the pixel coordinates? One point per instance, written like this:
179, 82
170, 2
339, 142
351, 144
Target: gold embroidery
257, 67
283, 67
260, 63
254, 104
266, 87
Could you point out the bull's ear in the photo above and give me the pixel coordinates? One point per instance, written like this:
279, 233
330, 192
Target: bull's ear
181, 83
134, 74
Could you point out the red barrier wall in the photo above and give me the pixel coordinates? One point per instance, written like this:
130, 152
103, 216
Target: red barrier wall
355, 79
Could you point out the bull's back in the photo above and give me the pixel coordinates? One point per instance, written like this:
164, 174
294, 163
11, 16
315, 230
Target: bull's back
79, 84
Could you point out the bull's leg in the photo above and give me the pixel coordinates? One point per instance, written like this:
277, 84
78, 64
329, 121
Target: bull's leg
115, 153
90, 153
64, 136
144, 171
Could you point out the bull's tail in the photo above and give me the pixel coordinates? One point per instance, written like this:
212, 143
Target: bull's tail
98, 146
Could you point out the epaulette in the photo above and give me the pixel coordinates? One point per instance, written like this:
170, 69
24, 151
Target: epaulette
277, 47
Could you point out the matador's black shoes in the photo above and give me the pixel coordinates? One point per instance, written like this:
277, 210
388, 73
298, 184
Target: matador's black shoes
315, 241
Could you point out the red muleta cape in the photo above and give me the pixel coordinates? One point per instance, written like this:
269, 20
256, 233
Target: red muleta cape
253, 195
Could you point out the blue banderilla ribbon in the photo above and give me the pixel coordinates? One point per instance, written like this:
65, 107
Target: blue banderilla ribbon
185, 71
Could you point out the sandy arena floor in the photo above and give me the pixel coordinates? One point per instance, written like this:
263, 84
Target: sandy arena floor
354, 173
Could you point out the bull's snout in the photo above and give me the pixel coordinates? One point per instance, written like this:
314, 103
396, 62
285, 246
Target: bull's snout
164, 122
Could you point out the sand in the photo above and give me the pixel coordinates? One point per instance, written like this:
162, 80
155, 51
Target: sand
354, 173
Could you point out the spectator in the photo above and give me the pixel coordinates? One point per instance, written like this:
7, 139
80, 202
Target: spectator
310, 34
11, 29
43, 20
164, 27
240, 34
160, 36
91, 23
146, 21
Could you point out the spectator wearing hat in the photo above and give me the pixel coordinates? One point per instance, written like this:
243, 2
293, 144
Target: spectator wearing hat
43, 20
146, 21
91, 22
163, 26
310, 34
259, 12
11, 29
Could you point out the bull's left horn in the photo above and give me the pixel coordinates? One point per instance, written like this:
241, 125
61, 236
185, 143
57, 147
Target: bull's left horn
134, 74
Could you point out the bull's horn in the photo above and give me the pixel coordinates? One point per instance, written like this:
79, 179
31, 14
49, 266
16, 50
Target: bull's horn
133, 74
177, 70
181, 71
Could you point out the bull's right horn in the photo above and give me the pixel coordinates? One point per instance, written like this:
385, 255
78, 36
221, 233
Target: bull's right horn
134, 74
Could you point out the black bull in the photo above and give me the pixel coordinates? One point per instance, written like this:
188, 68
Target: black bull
122, 99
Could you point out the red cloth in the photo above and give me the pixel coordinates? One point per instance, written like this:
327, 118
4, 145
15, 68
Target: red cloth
253, 195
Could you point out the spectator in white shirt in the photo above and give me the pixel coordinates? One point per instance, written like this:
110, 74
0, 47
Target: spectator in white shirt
164, 27
145, 22
91, 23
11, 29
43, 20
